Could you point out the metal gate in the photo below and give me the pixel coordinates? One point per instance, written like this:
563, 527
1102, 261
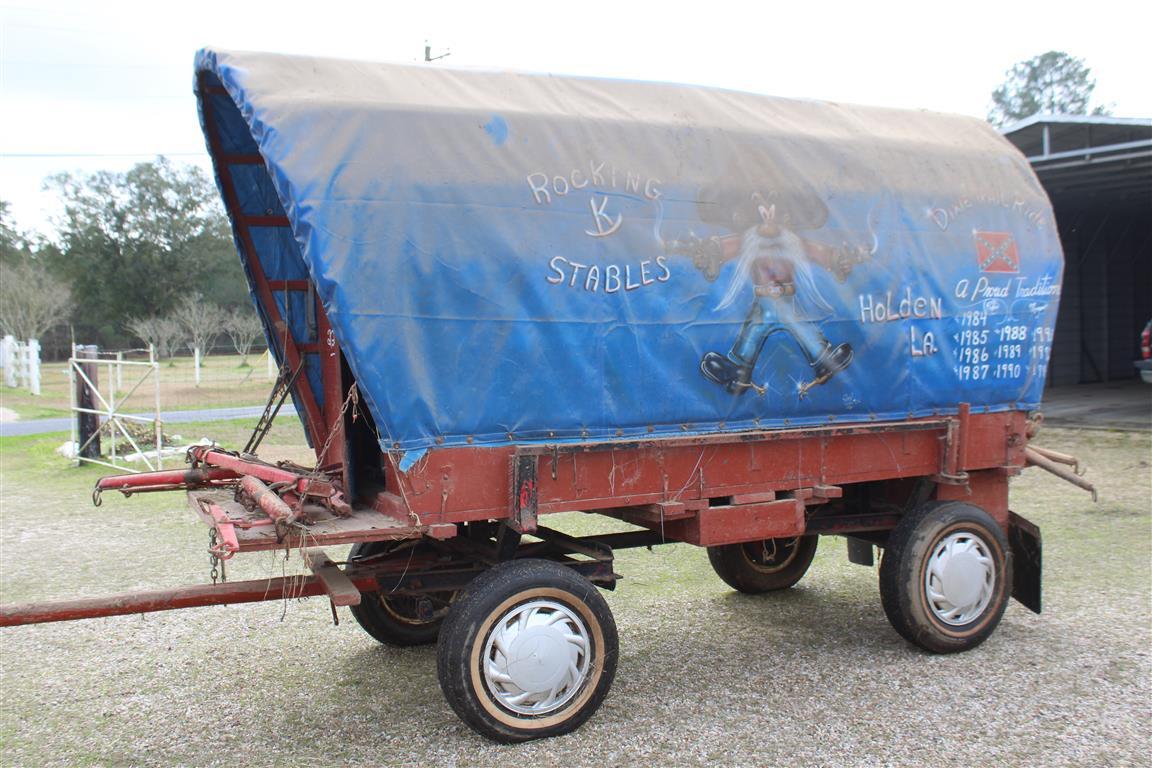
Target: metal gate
97, 412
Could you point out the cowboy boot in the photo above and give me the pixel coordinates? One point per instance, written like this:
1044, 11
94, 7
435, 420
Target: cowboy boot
831, 360
734, 377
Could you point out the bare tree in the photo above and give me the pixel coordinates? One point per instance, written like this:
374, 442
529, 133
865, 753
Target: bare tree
201, 321
144, 328
31, 300
243, 328
170, 333
162, 332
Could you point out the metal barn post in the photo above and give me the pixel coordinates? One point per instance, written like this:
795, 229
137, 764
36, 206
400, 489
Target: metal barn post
87, 424
111, 403
156, 406
74, 397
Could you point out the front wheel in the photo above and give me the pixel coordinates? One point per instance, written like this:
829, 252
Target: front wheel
763, 566
944, 576
528, 650
398, 620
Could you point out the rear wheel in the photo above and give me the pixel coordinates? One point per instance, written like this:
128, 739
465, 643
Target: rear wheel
528, 650
400, 620
763, 566
944, 576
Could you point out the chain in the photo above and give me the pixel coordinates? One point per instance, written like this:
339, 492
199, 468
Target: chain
213, 560
219, 569
353, 400
285, 381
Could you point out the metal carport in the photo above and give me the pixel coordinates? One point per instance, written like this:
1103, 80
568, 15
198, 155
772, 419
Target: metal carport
1098, 173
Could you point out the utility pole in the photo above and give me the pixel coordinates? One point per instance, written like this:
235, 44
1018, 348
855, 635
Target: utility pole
428, 53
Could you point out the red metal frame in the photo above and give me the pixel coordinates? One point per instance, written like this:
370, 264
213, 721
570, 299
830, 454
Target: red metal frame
318, 421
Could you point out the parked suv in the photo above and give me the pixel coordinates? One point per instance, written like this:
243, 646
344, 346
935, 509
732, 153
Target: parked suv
1144, 364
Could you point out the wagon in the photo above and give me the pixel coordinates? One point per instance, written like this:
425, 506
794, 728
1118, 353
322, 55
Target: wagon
727, 320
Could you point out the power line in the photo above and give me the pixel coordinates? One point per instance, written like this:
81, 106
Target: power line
102, 154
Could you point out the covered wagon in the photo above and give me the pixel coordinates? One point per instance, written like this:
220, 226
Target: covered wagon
726, 319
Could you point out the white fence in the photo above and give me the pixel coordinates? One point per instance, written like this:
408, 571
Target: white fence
21, 363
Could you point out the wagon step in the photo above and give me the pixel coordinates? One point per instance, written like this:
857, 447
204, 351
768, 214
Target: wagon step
341, 589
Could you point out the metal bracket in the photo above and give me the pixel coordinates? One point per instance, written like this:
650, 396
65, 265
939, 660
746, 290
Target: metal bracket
525, 493
954, 457
860, 551
507, 542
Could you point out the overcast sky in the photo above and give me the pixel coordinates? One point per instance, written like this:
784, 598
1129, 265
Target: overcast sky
86, 86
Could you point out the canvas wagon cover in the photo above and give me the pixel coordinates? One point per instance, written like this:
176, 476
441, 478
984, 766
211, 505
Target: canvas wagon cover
508, 257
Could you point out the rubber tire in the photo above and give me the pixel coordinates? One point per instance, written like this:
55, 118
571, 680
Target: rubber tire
376, 618
733, 564
906, 556
494, 593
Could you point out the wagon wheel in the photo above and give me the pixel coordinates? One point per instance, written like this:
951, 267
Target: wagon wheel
528, 650
945, 576
400, 620
763, 566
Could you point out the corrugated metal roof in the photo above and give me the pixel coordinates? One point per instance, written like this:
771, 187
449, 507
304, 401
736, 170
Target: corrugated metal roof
1085, 161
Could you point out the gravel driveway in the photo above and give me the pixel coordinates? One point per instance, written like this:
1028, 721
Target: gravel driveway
814, 676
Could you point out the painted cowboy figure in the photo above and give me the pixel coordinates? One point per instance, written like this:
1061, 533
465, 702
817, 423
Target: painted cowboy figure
777, 263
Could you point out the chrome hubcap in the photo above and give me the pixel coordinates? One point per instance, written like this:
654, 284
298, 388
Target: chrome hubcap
537, 657
960, 578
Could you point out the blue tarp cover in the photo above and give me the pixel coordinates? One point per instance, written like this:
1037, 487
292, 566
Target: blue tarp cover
508, 257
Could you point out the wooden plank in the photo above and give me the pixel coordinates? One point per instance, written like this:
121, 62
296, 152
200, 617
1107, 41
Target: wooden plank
470, 483
662, 511
753, 498
339, 587
827, 492
736, 524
